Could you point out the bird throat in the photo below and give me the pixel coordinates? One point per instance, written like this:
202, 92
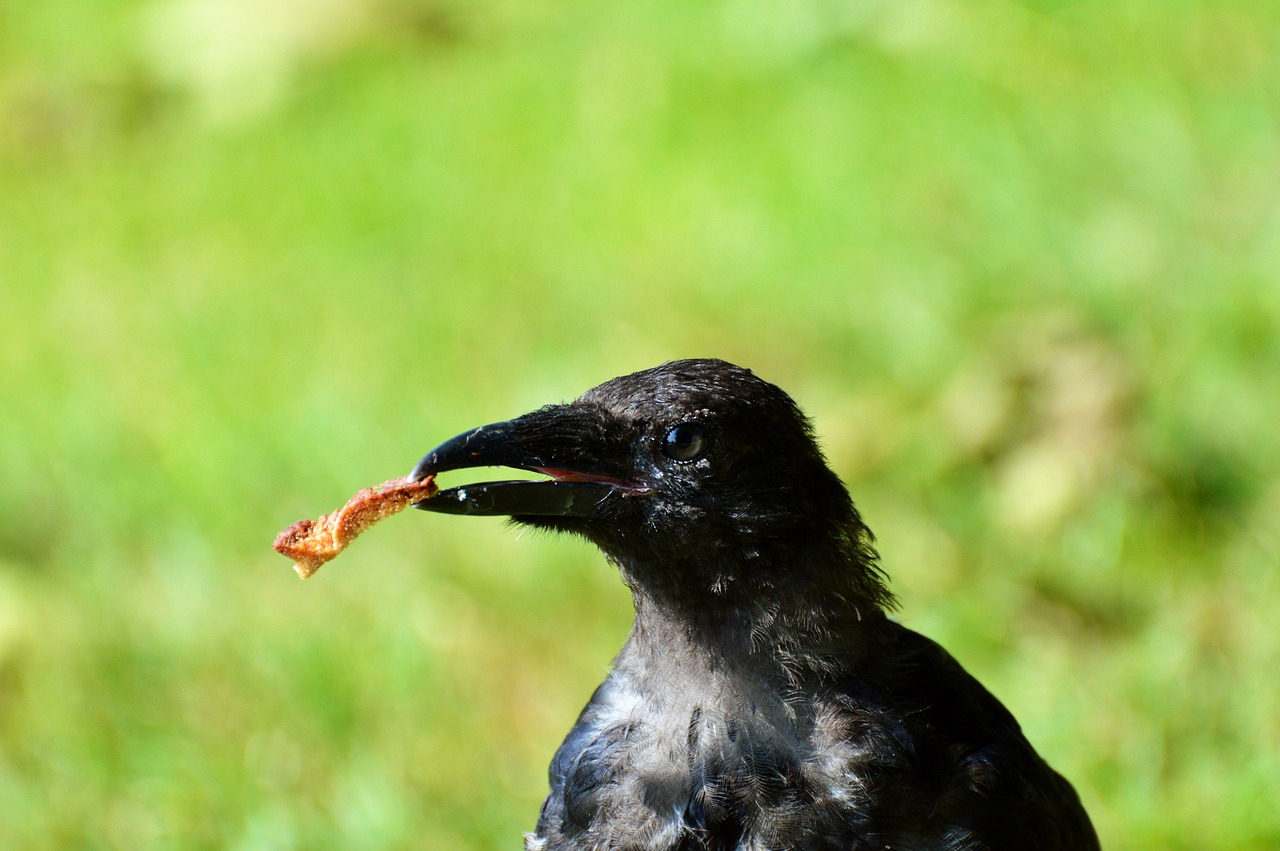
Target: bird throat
784, 639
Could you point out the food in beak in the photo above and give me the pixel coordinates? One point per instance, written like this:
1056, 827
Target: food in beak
311, 543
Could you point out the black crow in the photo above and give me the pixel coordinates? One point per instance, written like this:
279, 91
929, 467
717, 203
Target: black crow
763, 699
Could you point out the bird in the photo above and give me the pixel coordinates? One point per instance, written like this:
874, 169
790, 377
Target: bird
765, 698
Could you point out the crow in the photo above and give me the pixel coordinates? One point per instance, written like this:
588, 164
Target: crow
763, 699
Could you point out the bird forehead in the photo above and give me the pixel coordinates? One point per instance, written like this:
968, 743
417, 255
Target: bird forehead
689, 388
645, 394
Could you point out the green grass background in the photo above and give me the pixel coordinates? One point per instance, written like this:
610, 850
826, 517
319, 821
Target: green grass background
1019, 260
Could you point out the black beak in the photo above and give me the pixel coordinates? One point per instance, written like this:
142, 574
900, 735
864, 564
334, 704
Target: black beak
573, 444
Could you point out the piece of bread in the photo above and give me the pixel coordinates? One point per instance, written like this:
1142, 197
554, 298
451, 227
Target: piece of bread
311, 543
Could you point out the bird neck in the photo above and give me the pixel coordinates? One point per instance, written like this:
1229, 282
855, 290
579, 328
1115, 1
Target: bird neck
811, 614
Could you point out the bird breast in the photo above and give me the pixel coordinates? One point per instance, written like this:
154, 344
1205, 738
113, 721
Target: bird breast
642, 773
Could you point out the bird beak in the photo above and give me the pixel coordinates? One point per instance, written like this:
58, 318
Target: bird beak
568, 443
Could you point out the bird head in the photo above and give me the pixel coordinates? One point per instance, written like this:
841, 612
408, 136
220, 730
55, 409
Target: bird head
695, 476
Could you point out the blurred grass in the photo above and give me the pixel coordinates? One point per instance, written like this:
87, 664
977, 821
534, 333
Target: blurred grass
1019, 260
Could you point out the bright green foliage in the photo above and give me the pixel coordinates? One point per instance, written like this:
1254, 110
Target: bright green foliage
1020, 261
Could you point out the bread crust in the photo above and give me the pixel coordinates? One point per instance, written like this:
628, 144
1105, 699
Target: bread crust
311, 543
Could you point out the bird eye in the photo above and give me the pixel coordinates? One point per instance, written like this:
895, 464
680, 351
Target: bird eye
685, 442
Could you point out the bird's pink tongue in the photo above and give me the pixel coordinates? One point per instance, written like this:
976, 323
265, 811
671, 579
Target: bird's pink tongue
561, 475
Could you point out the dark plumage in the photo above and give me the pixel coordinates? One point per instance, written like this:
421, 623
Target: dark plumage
763, 699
